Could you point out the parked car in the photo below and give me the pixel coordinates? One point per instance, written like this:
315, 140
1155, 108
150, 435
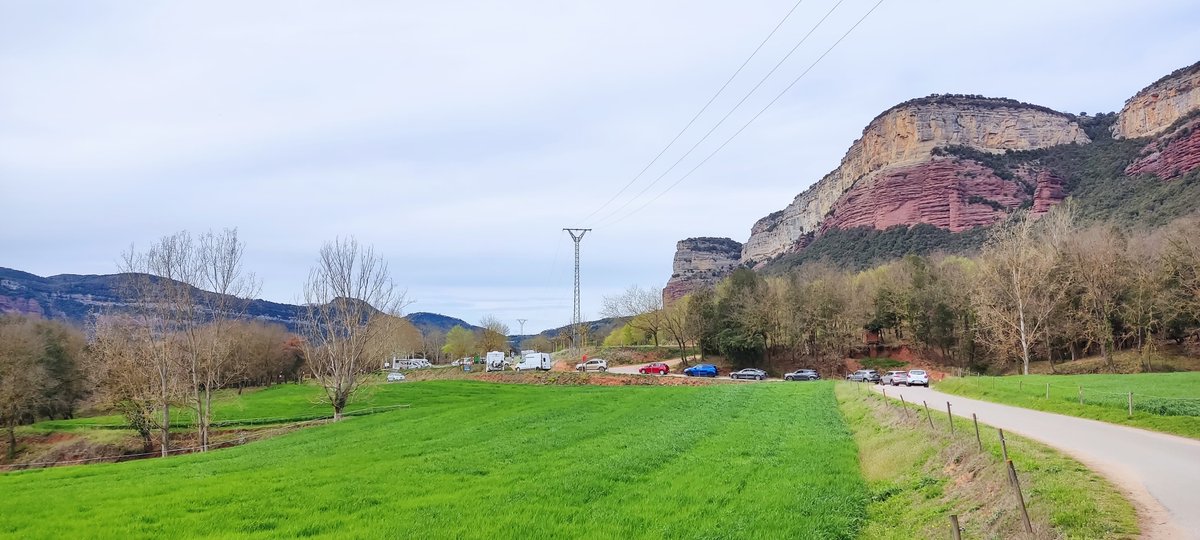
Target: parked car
595, 364
918, 377
395, 376
802, 375
749, 373
701, 370
657, 368
864, 375
895, 378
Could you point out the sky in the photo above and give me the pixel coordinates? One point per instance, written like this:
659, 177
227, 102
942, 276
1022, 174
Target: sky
459, 138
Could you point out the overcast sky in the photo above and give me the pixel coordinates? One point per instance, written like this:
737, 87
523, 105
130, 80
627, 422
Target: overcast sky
460, 137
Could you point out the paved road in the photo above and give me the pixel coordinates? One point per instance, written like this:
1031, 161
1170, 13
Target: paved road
1160, 473
633, 369
675, 371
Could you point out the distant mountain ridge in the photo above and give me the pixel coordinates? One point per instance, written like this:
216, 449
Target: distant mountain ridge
75, 298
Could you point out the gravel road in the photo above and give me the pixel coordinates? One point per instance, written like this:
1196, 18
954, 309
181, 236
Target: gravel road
1160, 473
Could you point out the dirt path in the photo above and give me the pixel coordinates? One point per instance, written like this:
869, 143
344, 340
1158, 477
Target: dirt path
1159, 473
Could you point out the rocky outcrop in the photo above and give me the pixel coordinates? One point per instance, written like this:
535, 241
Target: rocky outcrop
1172, 155
949, 193
701, 262
903, 137
1158, 106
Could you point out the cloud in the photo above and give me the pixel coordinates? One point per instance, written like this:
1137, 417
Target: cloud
460, 137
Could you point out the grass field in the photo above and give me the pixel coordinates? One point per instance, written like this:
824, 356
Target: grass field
475, 460
1167, 402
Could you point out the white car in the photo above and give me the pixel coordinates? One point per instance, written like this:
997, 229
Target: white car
395, 377
918, 377
595, 364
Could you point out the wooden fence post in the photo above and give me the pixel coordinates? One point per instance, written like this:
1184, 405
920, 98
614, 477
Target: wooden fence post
955, 530
927, 415
1131, 404
904, 404
1012, 477
1003, 445
949, 417
977, 437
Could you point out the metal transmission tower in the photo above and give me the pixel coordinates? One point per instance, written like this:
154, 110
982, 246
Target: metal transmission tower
522, 323
576, 314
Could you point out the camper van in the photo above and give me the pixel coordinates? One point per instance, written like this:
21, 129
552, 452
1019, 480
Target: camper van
495, 361
534, 361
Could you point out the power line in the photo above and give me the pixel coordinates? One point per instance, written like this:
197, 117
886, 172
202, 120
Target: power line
753, 118
727, 115
697, 115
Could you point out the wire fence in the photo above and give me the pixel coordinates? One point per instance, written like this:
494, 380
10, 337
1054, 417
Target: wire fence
1083, 395
238, 422
921, 414
285, 424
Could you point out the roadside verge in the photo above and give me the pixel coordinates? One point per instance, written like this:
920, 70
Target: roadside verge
919, 475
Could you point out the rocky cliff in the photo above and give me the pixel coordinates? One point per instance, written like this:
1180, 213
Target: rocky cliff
1171, 155
1160, 105
900, 139
948, 192
943, 162
701, 262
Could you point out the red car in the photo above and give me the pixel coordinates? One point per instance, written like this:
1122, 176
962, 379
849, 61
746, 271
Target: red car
657, 368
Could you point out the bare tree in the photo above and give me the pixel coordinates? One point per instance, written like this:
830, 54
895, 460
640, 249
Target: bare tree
126, 360
349, 298
494, 336
1100, 272
643, 308
432, 341
193, 289
1021, 280
1181, 258
538, 343
23, 378
675, 321
1143, 309
160, 300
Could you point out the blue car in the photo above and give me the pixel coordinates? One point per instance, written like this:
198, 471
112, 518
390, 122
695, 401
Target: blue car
701, 370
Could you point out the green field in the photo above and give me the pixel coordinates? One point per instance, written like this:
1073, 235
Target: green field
1167, 402
477, 460
281, 403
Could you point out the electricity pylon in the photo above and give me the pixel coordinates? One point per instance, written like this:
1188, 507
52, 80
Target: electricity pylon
576, 313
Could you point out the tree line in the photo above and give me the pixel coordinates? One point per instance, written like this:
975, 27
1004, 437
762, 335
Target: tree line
184, 335
1049, 288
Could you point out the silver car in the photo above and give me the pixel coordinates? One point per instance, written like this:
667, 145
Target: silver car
749, 373
895, 378
802, 375
918, 377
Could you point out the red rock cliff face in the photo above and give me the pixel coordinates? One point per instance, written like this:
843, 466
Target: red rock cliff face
1172, 155
950, 193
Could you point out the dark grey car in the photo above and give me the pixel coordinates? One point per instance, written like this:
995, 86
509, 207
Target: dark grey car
802, 375
864, 375
749, 373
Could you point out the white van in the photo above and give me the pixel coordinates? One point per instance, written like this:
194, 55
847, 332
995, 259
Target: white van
494, 361
534, 361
